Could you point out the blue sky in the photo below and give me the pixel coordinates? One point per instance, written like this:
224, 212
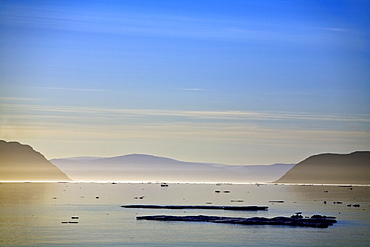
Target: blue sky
235, 82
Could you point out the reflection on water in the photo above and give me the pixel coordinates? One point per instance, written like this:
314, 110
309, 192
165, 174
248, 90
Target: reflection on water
31, 214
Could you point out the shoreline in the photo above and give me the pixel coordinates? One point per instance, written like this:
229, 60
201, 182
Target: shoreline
192, 183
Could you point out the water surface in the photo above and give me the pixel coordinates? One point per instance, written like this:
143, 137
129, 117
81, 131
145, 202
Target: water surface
31, 214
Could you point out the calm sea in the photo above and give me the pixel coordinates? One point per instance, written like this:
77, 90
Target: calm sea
31, 214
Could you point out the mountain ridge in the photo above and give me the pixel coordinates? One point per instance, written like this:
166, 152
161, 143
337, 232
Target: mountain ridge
144, 167
20, 162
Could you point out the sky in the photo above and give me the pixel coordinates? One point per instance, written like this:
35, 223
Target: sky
222, 81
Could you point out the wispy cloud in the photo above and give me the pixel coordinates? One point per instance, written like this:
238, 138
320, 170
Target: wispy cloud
161, 129
184, 115
18, 99
156, 24
336, 29
235, 133
192, 89
73, 89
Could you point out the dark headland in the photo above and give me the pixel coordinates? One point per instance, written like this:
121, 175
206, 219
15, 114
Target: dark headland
353, 168
20, 162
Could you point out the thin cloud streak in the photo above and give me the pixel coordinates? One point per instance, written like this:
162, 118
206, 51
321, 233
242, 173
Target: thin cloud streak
201, 132
17, 99
152, 130
184, 114
73, 89
192, 89
159, 25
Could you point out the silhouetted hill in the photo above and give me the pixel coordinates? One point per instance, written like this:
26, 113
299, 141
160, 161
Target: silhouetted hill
351, 168
20, 162
140, 167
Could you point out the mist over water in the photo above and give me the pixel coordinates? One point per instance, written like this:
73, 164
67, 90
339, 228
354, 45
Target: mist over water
32, 214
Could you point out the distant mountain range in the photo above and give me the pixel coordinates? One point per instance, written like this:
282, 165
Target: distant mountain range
353, 168
21, 163
141, 167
